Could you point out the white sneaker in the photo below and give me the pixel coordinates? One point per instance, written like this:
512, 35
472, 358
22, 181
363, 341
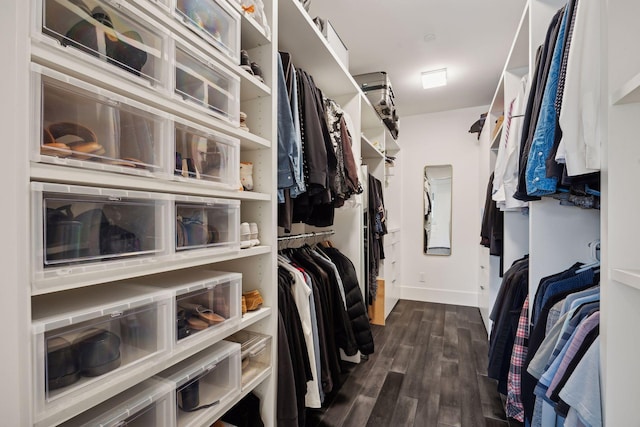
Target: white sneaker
245, 235
254, 234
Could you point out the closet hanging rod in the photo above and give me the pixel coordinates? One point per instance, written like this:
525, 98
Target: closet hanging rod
306, 235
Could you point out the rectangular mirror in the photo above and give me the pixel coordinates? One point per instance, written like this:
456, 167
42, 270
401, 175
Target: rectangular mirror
437, 181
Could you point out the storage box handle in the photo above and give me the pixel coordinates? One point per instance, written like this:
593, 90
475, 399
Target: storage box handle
258, 350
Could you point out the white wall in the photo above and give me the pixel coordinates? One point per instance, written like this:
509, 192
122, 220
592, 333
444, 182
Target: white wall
438, 139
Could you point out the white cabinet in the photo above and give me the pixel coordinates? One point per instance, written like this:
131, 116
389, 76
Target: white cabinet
620, 257
391, 270
311, 51
123, 62
556, 235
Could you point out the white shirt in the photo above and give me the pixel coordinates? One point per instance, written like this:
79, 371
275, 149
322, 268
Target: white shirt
301, 294
579, 116
506, 172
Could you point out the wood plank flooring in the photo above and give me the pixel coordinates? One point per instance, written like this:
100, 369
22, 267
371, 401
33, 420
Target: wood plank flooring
428, 370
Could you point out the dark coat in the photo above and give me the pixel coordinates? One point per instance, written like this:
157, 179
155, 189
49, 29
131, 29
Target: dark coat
356, 309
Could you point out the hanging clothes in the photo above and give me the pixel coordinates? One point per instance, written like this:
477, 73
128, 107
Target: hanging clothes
301, 294
377, 228
550, 296
301, 366
315, 207
537, 183
545, 354
505, 315
491, 231
317, 171
318, 286
356, 308
513, 407
579, 119
346, 181
286, 413
505, 180
560, 144
543, 62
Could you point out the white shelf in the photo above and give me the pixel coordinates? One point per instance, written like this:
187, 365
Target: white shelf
222, 409
252, 34
144, 267
64, 174
251, 317
391, 144
311, 51
159, 99
255, 97
369, 151
256, 381
497, 103
630, 278
252, 88
628, 93
369, 117
519, 53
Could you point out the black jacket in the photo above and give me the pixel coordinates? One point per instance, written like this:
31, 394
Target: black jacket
355, 302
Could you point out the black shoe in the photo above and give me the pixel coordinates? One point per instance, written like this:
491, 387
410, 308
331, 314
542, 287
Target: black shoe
99, 352
245, 64
257, 71
189, 396
244, 58
62, 363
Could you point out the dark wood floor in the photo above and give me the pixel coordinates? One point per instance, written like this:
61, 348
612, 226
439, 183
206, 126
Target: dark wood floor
428, 370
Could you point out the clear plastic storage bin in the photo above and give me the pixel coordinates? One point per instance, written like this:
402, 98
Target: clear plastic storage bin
205, 302
255, 354
205, 382
87, 127
113, 33
213, 20
206, 84
144, 405
206, 156
87, 340
207, 223
75, 227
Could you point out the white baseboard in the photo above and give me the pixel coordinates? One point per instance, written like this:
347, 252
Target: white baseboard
442, 296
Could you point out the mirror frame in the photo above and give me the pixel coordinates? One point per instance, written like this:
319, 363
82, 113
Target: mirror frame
428, 204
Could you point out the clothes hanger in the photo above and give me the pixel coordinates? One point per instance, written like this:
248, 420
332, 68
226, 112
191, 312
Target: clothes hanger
594, 247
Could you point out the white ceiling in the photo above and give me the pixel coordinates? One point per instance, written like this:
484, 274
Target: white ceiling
472, 40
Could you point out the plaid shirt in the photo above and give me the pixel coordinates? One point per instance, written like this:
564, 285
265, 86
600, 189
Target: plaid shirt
514, 408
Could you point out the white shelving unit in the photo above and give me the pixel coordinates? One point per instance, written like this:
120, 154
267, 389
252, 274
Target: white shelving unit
621, 296
557, 236
310, 51
25, 45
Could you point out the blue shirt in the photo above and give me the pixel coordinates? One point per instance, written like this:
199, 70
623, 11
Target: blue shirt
536, 171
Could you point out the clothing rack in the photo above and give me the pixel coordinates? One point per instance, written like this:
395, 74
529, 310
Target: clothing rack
293, 240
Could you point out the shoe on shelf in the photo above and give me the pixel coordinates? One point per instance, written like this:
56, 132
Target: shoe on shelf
246, 175
245, 63
257, 71
254, 299
254, 234
245, 235
243, 121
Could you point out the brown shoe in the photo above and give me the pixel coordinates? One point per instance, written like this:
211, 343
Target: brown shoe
254, 299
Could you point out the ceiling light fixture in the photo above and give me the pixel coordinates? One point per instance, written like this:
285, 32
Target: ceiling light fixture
434, 78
